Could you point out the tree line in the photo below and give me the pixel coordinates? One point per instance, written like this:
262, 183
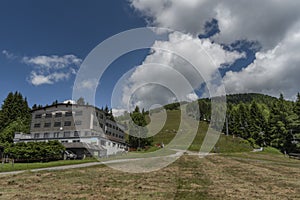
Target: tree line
260, 119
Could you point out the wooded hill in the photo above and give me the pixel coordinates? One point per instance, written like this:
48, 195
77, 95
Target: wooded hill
261, 119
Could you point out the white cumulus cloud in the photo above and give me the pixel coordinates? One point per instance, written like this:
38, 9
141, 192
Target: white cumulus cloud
39, 79
51, 69
274, 71
274, 24
174, 69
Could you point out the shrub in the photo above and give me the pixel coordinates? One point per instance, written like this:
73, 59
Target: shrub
35, 151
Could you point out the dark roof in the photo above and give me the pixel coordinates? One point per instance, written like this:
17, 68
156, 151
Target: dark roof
66, 104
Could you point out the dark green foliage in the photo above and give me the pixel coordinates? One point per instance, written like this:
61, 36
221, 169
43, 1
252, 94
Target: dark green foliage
172, 106
8, 133
108, 113
261, 119
250, 97
297, 105
13, 107
138, 131
55, 102
14, 116
35, 151
201, 109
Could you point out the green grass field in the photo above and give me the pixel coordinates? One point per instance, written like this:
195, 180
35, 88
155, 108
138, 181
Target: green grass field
27, 166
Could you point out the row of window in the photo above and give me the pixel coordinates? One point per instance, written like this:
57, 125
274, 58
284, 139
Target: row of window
66, 141
67, 134
67, 114
64, 134
56, 134
56, 124
113, 127
115, 134
58, 114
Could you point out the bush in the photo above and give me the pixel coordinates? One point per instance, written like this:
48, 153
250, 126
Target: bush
35, 151
272, 150
252, 142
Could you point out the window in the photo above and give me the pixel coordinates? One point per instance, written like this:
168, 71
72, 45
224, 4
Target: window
57, 124
67, 123
78, 122
48, 115
67, 134
47, 124
64, 141
38, 116
103, 143
76, 133
37, 125
36, 135
74, 141
68, 114
78, 113
46, 135
56, 134
59, 114
101, 125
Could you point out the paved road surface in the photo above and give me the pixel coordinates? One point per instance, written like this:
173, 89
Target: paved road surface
65, 167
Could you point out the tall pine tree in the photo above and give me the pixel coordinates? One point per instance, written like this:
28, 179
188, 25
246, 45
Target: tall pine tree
138, 131
14, 109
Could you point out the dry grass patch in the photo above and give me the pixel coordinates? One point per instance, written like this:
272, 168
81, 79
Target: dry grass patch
243, 176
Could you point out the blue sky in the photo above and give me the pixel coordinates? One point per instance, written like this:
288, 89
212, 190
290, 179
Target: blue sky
33, 28
42, 44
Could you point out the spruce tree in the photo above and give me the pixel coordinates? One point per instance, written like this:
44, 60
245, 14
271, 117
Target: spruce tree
138, 131
244, 120
14, 107
297, 107
14, 116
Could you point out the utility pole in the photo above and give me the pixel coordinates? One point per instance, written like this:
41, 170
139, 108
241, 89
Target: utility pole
227, 131
139, 137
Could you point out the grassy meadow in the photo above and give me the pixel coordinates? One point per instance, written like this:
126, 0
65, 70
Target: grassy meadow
228, 176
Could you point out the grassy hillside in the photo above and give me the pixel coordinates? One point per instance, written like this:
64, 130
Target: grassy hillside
224, 144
